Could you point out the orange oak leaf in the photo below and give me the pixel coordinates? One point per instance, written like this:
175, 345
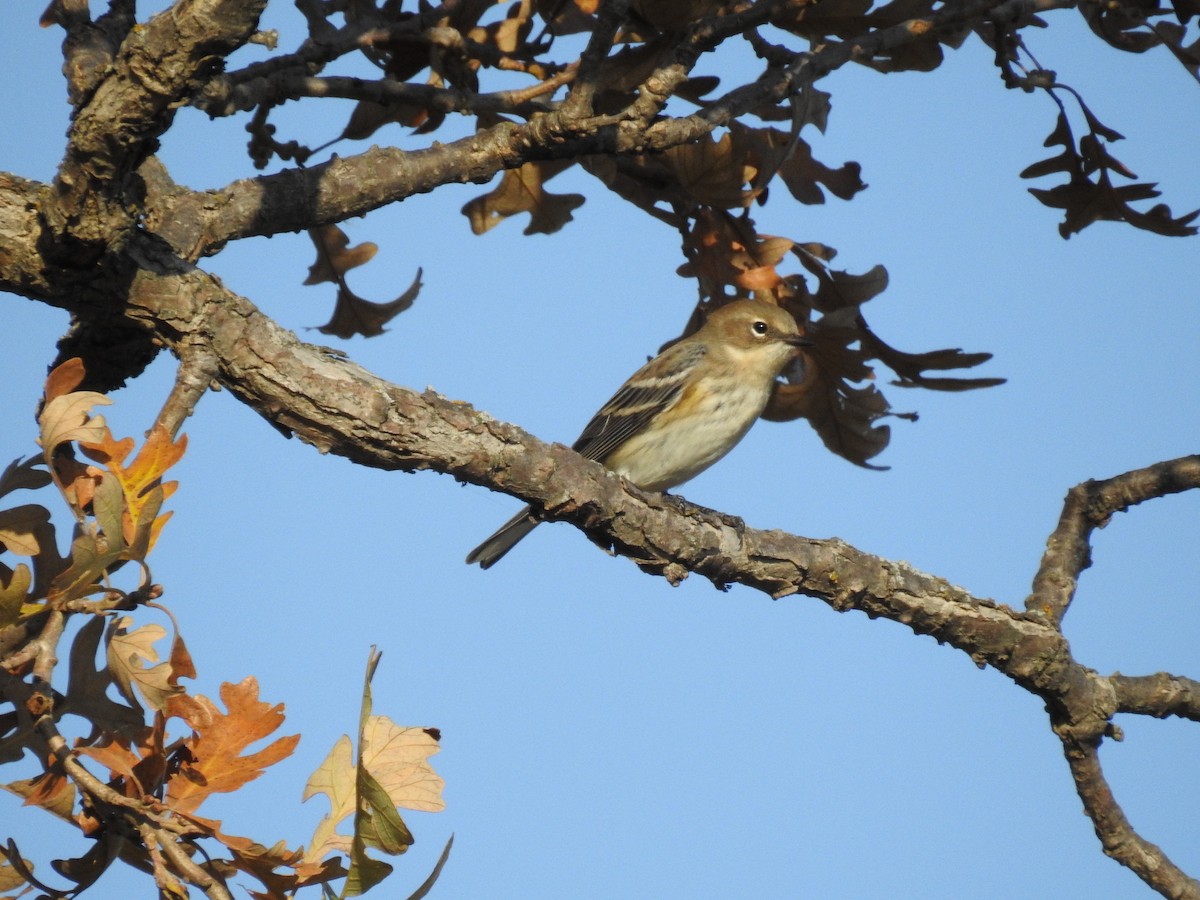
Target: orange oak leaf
137, 774
66, 376
217, 763
51, 790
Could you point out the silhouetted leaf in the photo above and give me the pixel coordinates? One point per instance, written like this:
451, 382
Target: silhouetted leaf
353, 315
335, 256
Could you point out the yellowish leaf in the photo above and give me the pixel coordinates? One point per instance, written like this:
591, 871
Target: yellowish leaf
67, 418
128, 652
335, 779
398, 757
14, 589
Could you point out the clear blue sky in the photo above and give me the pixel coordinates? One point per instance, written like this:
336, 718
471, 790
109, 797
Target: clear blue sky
605, 735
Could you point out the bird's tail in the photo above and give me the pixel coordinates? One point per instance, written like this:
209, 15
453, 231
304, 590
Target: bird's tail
489, 552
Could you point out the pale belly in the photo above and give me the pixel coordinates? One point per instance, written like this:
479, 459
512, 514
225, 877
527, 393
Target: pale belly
667, 457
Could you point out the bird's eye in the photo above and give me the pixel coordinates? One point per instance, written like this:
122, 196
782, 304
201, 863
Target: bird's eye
760, 327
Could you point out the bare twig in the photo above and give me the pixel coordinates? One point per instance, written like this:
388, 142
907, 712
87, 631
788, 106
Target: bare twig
197, 369
1089, 506
1117, 836
1159, 695
612, 16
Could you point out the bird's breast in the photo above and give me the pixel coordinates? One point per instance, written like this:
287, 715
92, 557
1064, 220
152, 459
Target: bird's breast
704, 424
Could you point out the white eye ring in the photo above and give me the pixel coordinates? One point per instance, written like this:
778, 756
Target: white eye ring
759, 327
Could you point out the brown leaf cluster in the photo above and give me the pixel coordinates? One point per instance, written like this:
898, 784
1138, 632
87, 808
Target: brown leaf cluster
1089, 194
832, 385
117, 501
149, 747
435, 63
1137, 26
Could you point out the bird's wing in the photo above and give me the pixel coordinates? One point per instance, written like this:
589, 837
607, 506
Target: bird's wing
650, 390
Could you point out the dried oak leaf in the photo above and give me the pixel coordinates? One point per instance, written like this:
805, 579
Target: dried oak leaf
23, 529
142, 489
911, 367
673, 15
335, 256
15, 870
216, 747
400, 54
391, 771
262, 862
128, 652
712, 172
67, 418
353, 314
14, 592
65, 377
396, 757
837, 289
91, 555
52, 791
86, 870
369, 116
136, 774
521, 190
771, 152
508, 34
843, 19
819, 388
1173, 36
564, 17
1085, 201
77, 479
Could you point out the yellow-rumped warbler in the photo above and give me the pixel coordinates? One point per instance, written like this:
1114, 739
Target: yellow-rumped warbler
683, 410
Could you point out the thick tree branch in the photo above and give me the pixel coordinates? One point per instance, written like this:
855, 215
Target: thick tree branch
133, 103
343, 409
340, 408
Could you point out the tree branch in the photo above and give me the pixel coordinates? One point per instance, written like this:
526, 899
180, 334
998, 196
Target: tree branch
301, 198
133, 103
341, 408
1089, 506
1117, 836
1159, 695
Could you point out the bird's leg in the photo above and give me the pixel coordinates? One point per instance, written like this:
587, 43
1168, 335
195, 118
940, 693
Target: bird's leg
686, 507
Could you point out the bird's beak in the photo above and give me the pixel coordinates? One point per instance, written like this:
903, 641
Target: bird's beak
798, 340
